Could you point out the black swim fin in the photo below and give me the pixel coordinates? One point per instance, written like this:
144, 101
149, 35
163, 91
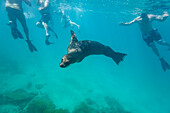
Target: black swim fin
31, 46
118, 57
164, 64
19, 34
16, 33
47, 42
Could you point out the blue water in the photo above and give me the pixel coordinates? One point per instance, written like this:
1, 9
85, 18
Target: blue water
138, 83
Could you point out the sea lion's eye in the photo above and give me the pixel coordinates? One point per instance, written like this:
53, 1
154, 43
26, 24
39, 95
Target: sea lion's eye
62, 60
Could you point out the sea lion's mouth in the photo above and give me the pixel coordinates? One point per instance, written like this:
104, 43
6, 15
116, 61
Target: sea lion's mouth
62, 65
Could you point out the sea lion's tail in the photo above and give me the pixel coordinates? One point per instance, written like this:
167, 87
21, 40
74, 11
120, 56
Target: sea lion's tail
117, 57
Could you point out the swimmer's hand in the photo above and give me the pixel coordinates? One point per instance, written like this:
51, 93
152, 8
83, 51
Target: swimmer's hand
40, 8
121, 23
165, 14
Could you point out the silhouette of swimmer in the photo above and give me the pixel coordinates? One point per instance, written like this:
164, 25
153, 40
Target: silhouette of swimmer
15, 11
66, 20
151, 35
78, 50
44, 9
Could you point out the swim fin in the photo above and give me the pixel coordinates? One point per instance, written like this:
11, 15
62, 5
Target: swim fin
31, 46
47, 42
16, 33
19, 34
164, 64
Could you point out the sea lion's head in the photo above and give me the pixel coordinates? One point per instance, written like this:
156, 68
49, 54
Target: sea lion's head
66, 60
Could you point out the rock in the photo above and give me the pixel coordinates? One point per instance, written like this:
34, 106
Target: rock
18, 97
83, 107
41, 105
44, 105
39, 86
114, 106
9, 109
61, 111
90, 106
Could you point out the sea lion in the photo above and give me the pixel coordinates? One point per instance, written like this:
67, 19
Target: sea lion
78, 50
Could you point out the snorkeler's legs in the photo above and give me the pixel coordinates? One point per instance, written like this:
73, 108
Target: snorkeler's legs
47, 33
14, 31
164, 43
164, 64
12, 23
22, 19
155, 50
46, 29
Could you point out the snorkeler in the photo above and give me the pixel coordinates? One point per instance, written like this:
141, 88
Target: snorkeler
15, 11
151, 35
67, 21
44, 9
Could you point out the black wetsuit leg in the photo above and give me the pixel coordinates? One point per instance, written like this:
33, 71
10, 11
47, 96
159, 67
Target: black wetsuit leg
12, 16
21, 18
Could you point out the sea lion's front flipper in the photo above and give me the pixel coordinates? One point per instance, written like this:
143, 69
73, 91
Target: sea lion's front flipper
73, 37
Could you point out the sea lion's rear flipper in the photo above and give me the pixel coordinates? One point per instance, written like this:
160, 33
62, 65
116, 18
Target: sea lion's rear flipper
117, 57
73, 37
164, 64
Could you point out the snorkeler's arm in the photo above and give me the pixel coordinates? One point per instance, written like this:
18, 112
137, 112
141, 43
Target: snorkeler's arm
129, 23
160, 17
28, 2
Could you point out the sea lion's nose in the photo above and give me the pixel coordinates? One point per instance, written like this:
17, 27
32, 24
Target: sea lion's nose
72, 32
61, 65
